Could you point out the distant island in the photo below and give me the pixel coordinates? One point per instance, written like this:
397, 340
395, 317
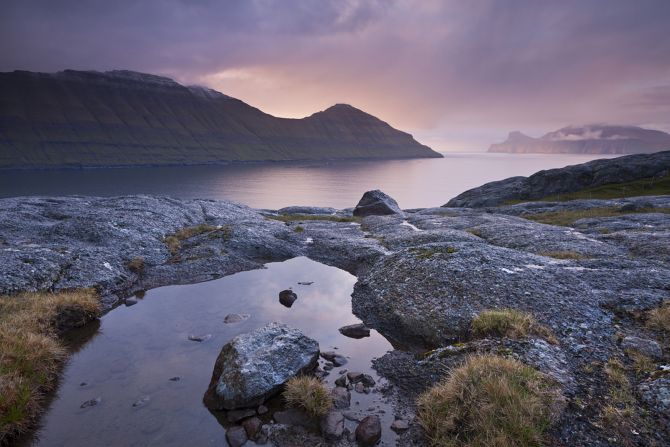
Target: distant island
124, 118
591, 139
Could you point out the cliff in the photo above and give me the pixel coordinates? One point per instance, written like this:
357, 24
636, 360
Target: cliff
124, 118
592, 139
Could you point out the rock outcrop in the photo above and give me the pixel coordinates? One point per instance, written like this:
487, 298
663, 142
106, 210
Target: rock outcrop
254, 366
123, 118
376, 203
591, 139
566, 180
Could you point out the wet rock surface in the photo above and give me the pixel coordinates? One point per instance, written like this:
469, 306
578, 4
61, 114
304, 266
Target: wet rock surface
254, 366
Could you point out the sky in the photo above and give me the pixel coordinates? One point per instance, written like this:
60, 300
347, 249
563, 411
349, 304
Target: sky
457, 74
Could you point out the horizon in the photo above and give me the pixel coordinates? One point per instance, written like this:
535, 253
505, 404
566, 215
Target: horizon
458, 77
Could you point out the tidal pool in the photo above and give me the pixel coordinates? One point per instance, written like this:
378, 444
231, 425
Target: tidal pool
131, 356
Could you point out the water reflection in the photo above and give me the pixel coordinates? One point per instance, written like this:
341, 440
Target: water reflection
138, 349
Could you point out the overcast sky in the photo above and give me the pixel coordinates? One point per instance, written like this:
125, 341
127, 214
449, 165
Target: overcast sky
457, 74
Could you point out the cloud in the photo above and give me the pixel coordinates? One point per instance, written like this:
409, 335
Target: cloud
434, 67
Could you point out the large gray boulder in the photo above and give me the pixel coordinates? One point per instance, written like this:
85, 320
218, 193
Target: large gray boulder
254, 366
376, 203
565, 180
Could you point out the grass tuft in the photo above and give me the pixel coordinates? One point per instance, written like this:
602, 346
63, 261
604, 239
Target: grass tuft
31, 354
567, 218
299, 229
564, 254
489, 401
659, 319
308, 393
136, 265
510, 323
174, 241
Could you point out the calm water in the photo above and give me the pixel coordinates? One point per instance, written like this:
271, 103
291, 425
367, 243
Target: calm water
136, 350
413, 183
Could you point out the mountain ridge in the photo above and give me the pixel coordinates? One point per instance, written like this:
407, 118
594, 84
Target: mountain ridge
124, 118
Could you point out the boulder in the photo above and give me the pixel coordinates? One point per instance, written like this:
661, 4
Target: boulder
254, 366
376, 203
287, 297
644, 346
369, 431
355, 331
235, 318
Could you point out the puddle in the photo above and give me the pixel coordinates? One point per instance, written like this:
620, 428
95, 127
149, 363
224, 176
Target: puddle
132, 355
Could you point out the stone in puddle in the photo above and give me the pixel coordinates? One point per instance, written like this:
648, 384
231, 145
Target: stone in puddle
236, 436
294, 416
376, 203
262, 409
369, 431
252, 426
333, 357
91, 402
237, 415
254, 366
235, 318
365, 379
399, 425
287, 297
332, 425
130, 302
359, 388
199, 338
341, 397
341, 381
355, 331
142, 401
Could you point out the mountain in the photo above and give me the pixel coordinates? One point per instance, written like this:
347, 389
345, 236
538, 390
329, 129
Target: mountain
591, 139
124, 118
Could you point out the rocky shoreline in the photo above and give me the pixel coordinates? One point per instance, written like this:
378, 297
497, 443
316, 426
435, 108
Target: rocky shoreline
423, 275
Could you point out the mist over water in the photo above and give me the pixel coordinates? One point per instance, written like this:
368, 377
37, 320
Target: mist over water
416, 183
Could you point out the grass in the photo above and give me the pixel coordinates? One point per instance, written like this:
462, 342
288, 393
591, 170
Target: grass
299, 229
652, 186
136, 265
308, 393
510, 323
618, 414
569, 217
303, 217
30, 352
427, 253
563, 254
174, 240
659, 319
489, 401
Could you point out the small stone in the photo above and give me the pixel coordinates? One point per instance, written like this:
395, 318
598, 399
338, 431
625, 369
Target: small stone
235, 318
252, 426
359, 388
341, 397
369, 431
130, 302
262, 409
174, 379
142, 401
332, 426
342, 371
237, 415
367, 380
287, 297
200, 338
305, 283
354, 376
341, 381
91, 402
339, 360
644, 346
399, 425
355, 331
328, 366
236, 436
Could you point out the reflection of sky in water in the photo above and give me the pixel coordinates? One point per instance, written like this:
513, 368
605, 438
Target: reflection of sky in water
139, 348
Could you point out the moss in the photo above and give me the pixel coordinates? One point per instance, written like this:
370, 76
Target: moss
299, 229
569, 217
305, 217
310, 394
31, 353
509, 323
427, 253
489, 401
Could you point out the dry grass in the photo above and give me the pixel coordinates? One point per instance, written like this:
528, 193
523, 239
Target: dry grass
489, 401
427, 253
136, 265
30, 352
564, 254
509, 323
308, 393
569, 217
303, 217
619, 414
659, 319
174, 241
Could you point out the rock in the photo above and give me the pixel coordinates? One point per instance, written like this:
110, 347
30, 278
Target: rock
175, 379
236, 436
359, 388
656, 394
332, 425
376, 203
141, 402
130, 302
252, 426
287, 297
235, 318
305, 283
234, 416
91, 402
341, 397
341, 381
199, 338
399, 425
650, 348
367, 380
355, 331
354, 376
328, 366
254, 366
262, 409
369, 431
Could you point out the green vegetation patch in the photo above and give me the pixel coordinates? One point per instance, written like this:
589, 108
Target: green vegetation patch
303, 217
174, 241
489, 401
652, 186
429, 252
659, 319
308, 393
510, 323
569, 217
31, 353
